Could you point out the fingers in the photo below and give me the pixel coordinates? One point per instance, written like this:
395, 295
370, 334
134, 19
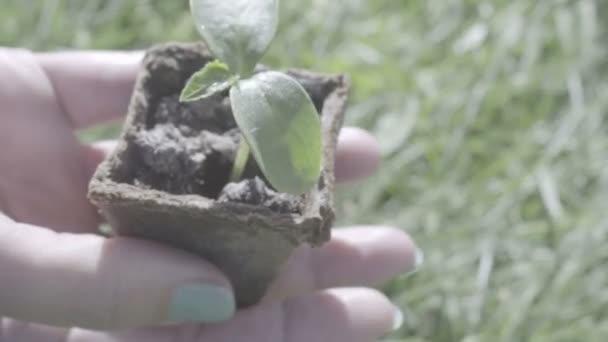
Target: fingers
88, 281
358, 155
362, 256
354, 314
339, 315
348, 315
39, 152
92, 87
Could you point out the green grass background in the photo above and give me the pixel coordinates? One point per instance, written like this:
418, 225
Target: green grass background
491, 116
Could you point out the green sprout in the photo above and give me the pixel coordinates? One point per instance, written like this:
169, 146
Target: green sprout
277, 119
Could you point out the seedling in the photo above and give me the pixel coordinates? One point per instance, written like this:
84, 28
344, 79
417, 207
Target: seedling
277, 119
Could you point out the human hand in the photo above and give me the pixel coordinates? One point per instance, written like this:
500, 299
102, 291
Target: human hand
54, 268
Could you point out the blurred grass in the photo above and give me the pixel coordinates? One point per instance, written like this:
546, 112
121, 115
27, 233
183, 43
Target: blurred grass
491, 117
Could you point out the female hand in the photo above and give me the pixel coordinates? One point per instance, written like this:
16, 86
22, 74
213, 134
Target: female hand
63, 282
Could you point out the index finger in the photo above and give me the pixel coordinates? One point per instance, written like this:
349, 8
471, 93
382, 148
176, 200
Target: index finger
92, 87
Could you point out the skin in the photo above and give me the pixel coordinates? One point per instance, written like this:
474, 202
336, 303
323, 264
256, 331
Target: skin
50, 252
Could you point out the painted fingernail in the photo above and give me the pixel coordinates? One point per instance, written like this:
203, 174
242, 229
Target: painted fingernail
195, 302
397, 319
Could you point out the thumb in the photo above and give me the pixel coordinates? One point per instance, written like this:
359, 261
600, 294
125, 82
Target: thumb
89, 281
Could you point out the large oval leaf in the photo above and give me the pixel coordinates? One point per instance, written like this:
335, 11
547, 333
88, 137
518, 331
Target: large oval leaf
279, 121
238, 32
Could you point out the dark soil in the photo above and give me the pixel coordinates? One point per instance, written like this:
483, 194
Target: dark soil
188, 148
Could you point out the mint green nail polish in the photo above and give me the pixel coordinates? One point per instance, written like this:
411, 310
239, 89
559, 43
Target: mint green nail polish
201, 303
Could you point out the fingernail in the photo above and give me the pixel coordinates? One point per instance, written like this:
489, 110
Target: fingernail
419, 258
418, 261
201, 303
397, 319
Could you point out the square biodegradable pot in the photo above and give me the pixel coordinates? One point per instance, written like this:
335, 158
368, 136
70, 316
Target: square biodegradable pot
167, 180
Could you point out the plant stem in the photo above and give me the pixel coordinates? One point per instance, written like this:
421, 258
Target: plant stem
240, 161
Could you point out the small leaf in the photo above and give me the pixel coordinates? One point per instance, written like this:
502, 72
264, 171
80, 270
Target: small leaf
279, 121
212, 79
238, 32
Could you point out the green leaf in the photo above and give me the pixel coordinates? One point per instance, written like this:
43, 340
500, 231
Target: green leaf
279, 121
212, 79
238, 32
